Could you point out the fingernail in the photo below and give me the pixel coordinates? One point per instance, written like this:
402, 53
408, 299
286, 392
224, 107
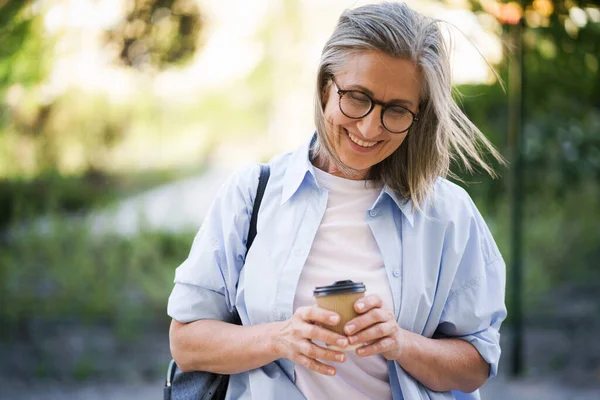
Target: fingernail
331, 372
360, 351
339, 357
352, 339
342, 342
350, 328
360, 306
334, 319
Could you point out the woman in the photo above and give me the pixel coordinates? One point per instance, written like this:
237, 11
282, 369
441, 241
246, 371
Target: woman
365, 199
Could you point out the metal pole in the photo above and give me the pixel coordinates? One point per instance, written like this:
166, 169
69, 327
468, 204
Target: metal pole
515, 140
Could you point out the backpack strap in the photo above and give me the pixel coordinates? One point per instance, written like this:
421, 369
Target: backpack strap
263, 178
262, 184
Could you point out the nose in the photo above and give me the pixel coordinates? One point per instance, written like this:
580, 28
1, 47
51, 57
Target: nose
370, 125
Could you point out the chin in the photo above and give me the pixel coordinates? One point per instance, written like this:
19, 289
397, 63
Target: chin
360, 167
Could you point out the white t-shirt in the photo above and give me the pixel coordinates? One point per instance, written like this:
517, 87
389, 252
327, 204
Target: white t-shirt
344, 248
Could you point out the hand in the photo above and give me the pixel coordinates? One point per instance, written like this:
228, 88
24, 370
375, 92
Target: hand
294, 340
376, 326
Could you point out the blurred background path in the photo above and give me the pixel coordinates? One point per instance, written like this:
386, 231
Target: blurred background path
173, 207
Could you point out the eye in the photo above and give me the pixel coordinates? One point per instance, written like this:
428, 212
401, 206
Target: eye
358, 98
397, 112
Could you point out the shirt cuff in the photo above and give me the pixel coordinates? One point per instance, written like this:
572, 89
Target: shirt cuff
487, 344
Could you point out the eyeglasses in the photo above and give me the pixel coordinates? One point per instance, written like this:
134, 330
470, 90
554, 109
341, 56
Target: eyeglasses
356, 104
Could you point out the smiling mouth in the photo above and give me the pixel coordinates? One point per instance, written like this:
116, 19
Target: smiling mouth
359, 142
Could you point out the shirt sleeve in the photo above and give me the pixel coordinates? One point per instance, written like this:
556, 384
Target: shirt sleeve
475, 306
206, 282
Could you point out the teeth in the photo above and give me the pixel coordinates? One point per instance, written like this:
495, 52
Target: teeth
360, 142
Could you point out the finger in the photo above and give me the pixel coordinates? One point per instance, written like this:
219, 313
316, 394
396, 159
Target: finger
374, 332
320, 334
314, 365
373, 316
380, 346
318, 314
316, 352
366, 303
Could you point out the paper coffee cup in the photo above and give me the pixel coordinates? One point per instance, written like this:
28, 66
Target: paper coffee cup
340, 298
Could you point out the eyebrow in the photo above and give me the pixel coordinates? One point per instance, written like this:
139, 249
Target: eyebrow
370, 93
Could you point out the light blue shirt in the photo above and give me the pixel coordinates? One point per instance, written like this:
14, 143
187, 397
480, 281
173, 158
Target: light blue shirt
445, 272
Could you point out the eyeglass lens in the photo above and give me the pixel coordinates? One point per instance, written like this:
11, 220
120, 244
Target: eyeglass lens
356, 105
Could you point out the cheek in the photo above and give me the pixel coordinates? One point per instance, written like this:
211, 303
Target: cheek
334, 116
328, 113
396, 143
331, 113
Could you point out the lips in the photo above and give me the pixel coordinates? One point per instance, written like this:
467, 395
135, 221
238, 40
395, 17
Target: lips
359, 142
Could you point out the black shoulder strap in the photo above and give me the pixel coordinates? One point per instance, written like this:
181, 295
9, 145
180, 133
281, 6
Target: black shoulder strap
262, 184
263, 178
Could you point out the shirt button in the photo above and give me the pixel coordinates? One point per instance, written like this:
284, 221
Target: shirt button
396, 273
374, 212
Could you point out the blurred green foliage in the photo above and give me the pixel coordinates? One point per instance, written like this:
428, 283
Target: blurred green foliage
40, 142
22, 200
23, 56
56, 150
65, 271
157, 33
562, 145
54, 159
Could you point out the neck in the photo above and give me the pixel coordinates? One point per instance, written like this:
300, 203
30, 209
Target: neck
330, 167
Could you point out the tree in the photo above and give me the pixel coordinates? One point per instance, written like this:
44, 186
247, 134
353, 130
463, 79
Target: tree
562, 89
157, 33
22, 59
561, 131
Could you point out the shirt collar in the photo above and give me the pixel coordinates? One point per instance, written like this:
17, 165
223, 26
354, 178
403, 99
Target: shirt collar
406, 206
299, 165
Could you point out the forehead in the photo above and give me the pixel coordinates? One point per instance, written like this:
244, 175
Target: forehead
386, 76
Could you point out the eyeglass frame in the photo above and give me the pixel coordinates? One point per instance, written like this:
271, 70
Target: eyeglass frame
384, 107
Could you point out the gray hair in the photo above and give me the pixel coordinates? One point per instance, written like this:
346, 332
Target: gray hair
443, 132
